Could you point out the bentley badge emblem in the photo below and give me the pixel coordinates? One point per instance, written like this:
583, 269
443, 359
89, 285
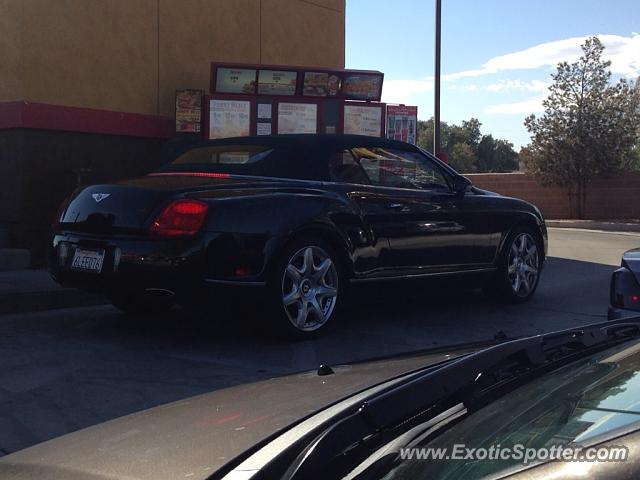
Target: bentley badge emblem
98, 197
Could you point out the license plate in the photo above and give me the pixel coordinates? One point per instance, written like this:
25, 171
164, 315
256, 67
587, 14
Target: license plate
88, 260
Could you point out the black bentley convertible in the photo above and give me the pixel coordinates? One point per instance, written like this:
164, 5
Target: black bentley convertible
297, 216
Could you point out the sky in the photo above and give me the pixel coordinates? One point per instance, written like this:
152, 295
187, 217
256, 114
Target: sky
497, 55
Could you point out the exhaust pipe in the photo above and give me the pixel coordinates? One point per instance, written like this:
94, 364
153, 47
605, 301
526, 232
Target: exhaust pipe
160, 292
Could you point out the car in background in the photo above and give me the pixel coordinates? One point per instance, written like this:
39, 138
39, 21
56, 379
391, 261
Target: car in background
577, 387
297, 217
625, 287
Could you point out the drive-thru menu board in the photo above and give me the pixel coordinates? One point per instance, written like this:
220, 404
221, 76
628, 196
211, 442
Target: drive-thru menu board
229, 118
272, 99
363, 120
297, 118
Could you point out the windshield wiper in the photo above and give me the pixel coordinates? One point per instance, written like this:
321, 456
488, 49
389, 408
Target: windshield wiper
471, 380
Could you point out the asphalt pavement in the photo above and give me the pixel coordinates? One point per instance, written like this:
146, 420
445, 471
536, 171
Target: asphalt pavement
65, 369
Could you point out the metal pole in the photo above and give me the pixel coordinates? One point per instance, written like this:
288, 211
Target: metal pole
436, 90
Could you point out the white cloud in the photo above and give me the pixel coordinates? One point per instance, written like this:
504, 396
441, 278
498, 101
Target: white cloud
532, 105
402, 91
518, 85
624, 53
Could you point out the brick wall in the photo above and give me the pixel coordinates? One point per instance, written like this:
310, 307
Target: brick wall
616, 197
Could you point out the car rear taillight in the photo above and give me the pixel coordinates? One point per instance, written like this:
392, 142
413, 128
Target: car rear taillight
179, 218
625, 291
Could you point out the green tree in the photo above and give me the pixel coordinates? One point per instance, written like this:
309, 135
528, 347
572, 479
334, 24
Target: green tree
588, 128
476, 152
471, 132
505, 158
425, 134
631, 161
463, 158
495, 155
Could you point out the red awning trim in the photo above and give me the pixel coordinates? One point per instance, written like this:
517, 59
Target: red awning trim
43, 116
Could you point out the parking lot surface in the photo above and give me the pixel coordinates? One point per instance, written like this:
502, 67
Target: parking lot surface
62, 370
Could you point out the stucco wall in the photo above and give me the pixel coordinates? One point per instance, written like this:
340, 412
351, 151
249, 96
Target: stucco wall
193, 33
10, 49
131, 55
91, 53
303, 33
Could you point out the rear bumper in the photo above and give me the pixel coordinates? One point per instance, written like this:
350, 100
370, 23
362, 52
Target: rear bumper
192, 269
134, 264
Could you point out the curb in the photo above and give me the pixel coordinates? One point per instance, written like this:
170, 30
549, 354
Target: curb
595, 225
48, 300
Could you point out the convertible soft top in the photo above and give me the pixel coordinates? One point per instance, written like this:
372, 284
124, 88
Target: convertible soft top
296, 156
303, 141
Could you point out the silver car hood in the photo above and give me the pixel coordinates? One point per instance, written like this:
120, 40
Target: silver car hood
193, 438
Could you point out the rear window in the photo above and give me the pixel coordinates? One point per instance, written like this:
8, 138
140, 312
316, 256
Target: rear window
224, 155
296, 161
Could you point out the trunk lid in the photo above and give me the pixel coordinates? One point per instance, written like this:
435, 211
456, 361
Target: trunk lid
127, 207
117, 209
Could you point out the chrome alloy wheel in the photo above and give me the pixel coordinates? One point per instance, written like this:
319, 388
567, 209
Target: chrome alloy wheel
309, 288
524, 264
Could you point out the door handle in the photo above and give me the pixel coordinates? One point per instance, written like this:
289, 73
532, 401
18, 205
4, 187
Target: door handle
395, 206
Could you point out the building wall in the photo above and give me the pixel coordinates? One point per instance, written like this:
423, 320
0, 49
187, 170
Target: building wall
613, 197
91, 53
10, 50
87, 86
193, 33
131, 55
318, 26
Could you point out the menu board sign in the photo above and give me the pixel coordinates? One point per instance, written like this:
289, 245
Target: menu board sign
272, 82
264, 111
229, 118
362, 86
402, 123
363, 120
188, 111
263, 128
297, 118
263, 119
235, 80
318, 84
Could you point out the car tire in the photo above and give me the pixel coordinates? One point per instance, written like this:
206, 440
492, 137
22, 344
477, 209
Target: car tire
305, 288
519, 267
139, 303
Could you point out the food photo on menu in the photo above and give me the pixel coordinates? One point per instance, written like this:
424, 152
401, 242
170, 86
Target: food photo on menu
272, 82
316, 84
362, 87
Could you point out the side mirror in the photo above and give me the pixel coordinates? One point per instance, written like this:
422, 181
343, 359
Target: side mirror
461, 184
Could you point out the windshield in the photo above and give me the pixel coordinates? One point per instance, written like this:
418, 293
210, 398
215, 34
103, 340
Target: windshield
586, 402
